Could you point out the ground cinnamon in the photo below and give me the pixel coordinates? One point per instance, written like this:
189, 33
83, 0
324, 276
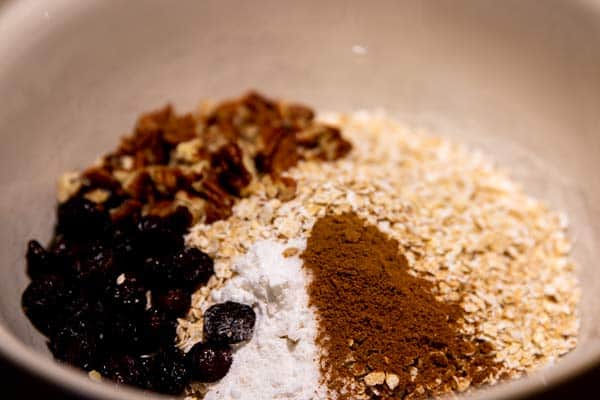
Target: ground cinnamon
381, 329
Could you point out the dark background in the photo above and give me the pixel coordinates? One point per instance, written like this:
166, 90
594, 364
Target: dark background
17, 385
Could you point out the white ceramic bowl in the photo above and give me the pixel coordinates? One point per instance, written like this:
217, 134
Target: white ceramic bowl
75, 74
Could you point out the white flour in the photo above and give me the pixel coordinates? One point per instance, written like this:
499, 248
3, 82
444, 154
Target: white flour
281, 359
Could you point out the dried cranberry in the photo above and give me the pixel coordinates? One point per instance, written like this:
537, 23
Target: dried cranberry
209, 362
229, 322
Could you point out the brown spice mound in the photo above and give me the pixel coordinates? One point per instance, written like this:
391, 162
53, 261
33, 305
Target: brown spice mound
381, 329
227, 149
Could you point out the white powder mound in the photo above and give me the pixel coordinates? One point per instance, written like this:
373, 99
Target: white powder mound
281, 359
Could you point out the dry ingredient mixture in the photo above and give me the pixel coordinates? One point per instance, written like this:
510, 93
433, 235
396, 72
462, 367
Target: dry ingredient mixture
471, 249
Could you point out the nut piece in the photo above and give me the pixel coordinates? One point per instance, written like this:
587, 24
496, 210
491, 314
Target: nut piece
392, 380
375, 378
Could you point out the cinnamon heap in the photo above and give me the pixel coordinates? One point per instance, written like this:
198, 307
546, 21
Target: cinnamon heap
382, 330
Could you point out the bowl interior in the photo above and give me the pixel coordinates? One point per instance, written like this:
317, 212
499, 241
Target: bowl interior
518, 79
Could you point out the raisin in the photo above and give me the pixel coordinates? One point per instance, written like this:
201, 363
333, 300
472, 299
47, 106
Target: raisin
194, 267
126, 244
96, 266
187, 268
77, 343
209, 362
39, 261
170, 373
128, 369
180, 220
159, 329
79, 217
128, 333
128, 297
41, 299
158, 235
65, 252
174, 302
229, 322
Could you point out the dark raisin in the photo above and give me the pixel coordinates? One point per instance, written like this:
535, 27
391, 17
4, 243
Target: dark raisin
127, 297
97, 266
192, 267
79, 217
128, 249
180, 220
126, 332
155, 271
187, 268
77, 343
128, 369
229, 322
209, 362
66, 252
158, 235
77, 302
115, 199
170, 373
42, 298
175, 302
39, 261
159, 329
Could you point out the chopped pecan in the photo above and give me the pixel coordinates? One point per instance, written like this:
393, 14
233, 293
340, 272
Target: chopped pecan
147, 144
228, 165
99, 177
279, 151
128, 208
161, 208
179, 129
141, 187
286, 187
167, 180
296, 114
212, 191
326, 140
215, 212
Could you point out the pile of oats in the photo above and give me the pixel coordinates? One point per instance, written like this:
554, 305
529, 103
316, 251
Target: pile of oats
461, 222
